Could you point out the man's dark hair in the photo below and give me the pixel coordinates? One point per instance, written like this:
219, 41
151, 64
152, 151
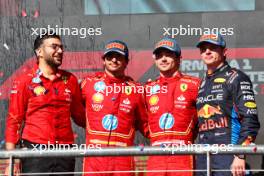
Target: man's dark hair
39, 40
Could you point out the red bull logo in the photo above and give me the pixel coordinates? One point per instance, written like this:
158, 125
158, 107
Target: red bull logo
210, 124
208, 111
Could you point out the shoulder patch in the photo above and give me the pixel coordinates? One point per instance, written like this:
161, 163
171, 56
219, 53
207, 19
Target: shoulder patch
191, 79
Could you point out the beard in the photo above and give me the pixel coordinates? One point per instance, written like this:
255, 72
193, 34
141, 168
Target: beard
53, 62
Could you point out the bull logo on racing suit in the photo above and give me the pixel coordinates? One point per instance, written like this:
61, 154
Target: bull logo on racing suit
110, 122
208, 111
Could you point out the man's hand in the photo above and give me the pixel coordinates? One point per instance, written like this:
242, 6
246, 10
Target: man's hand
16, 168
12, 146
238, 166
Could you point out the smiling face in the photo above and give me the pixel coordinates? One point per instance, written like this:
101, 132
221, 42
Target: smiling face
212, 55
167, 62
51, 52
115, 64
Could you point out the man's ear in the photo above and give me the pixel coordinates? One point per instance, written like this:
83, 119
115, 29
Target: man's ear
38, 52
225, 52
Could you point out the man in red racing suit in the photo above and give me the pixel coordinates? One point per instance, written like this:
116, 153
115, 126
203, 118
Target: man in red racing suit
171, 110
115, 109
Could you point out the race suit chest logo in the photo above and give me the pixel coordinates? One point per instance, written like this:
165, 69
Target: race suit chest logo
128, 90
155, 89
98, 98
180, 102
99, 86
208, 111
126, 102
166, 121
210, 98
39, 90
250, 105
183, 87
219, 80
125, 105
67, 92
154, 99
217, 88
210, 124
109, 122
36, 80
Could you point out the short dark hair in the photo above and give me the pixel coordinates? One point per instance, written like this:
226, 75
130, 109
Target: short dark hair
39, 40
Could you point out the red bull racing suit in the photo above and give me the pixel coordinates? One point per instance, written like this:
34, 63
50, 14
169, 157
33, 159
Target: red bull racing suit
115, 109
227, 114
172, 117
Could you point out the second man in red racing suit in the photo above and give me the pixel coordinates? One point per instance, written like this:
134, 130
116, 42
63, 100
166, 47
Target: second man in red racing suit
171, 110
115, 109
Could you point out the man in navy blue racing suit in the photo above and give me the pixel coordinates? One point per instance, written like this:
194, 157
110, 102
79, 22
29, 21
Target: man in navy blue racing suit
227, 111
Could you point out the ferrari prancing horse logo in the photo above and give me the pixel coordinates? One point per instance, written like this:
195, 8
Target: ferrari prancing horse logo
183, 87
